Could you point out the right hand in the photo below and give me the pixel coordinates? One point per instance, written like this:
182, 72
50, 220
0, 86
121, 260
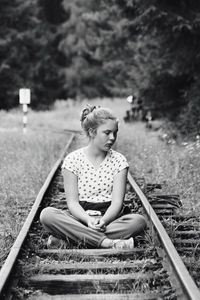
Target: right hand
92, 223
100, 225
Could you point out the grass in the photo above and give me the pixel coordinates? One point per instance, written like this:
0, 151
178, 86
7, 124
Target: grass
175, 166
25, 163
26, 159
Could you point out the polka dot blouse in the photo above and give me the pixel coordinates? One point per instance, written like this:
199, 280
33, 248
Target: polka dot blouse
95, 184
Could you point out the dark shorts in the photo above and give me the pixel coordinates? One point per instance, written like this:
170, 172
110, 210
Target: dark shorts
102, 207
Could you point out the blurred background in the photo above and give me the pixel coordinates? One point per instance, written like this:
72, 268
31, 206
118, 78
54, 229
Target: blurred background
64, 49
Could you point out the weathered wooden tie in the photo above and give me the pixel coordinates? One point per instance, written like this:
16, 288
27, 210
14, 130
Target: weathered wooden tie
121, 296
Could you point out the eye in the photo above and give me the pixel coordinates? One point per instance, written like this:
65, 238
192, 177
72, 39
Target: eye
107, 132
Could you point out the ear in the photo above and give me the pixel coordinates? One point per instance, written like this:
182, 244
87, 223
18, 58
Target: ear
92, 132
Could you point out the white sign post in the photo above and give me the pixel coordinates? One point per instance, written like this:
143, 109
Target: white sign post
25, 99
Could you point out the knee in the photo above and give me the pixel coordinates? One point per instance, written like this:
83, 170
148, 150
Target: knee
46, 215
142, 223
139, 221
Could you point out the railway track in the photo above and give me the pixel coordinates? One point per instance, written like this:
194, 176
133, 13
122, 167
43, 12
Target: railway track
152, 270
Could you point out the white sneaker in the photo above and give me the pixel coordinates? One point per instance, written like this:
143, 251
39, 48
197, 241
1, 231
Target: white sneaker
55, 243
123, 244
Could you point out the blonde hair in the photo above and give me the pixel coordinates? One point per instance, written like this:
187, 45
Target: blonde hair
94, 116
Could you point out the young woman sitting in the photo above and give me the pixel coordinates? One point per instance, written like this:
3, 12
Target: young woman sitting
95, 179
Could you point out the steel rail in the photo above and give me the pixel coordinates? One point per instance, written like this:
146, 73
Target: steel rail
10, 261
56, 130
188, 286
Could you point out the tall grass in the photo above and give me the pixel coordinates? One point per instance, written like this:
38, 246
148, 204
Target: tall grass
25, 162
175, 166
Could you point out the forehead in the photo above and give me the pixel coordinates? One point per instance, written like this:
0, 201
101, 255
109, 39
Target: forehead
109, 125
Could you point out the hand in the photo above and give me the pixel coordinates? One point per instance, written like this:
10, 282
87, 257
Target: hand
100, 224
96, 224
92, 223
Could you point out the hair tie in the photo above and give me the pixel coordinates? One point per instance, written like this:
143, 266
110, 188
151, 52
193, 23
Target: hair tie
95, 107
92, 108
86, 111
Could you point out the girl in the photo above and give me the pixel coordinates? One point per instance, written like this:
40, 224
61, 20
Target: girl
95, 181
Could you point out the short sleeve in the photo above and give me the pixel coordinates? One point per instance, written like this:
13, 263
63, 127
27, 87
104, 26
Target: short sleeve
71, 163
120, 163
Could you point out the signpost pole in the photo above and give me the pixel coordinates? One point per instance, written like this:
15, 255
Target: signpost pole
25, 118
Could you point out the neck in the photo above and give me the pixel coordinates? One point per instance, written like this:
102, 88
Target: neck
95, 152
95, 155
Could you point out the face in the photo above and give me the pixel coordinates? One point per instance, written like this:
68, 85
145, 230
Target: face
106, 135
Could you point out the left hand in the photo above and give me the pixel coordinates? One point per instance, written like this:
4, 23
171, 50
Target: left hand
100, 224
92, 222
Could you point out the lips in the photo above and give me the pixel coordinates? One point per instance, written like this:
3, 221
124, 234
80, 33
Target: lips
109, 145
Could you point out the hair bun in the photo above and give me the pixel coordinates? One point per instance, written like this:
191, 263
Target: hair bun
86, 111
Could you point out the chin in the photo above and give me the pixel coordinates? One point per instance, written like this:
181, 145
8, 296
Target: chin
107, 148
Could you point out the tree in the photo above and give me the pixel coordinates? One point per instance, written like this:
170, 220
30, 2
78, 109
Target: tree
65, 48
173, 27
29, 56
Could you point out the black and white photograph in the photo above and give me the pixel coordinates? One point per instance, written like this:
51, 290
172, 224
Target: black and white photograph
100, 150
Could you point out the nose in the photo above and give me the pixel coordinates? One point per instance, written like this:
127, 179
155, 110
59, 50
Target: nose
112, 136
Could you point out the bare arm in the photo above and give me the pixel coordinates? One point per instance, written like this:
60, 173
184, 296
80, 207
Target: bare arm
71, 191
119, 189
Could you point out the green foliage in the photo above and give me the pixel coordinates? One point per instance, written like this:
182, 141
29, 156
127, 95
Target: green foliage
29, 56
165, 67
77, 49
95, 40
188, 122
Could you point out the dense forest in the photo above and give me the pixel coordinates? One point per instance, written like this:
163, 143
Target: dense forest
64, 49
